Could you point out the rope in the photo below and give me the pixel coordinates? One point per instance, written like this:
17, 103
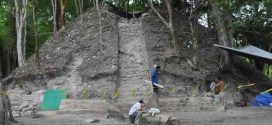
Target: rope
266, 91
242, 86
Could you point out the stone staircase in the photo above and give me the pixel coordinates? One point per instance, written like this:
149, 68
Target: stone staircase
189, 104
133, 64
80, 106
71, 81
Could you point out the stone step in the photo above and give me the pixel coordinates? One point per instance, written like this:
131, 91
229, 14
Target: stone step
138, 72
188, 104
136, 83
134, 87
131, 80
136, 96
191, 100
132, 75
81, 111
126, 104
129, 67
84, 106
193, 109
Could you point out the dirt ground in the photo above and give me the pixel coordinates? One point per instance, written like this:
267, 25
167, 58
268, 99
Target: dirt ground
234, 116
52, 118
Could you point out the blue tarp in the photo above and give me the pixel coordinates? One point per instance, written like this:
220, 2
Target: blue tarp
264, 99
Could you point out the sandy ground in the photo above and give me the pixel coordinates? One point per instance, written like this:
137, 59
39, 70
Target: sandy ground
234, 116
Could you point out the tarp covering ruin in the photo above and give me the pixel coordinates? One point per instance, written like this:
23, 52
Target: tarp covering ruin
250, 52
264, 99
52, 99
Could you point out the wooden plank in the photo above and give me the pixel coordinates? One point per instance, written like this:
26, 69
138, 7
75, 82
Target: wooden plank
158, 85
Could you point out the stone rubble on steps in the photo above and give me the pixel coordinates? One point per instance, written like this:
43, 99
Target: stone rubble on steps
25, 104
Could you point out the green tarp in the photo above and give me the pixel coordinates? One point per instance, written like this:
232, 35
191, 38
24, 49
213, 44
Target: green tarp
52, 99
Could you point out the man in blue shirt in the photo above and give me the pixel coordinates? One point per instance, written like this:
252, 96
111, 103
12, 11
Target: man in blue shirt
154, 77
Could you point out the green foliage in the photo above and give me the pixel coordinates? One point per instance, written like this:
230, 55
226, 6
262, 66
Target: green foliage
131, 5
116, 94
4, 23
133, 93
252, 22
173, 89
86, 93
195, 90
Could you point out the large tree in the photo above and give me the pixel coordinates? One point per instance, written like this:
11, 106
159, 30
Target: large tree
54, 10
172, 27
35, 23
21, 20
62, 13
223, 18
170, 24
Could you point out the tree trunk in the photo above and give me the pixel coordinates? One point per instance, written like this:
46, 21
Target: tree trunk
24, 40
172, 27
77, 7
192, 28
20, 15
222, 29
54, 8
127, 9
159, 15
4, 120
1, 58
92, 2
11, 56
79, 4
6, 115
228, 24
62, 14
81, 7
36, 32
209, 19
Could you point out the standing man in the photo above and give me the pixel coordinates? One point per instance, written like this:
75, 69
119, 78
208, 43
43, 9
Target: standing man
220, 87
134, 112
154, 78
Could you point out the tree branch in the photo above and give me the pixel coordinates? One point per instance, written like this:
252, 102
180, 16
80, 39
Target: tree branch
159, 15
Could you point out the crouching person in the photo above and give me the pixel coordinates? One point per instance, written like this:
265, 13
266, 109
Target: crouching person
135, 111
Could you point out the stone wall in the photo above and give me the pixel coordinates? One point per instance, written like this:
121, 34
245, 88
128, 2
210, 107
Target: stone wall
24, 103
